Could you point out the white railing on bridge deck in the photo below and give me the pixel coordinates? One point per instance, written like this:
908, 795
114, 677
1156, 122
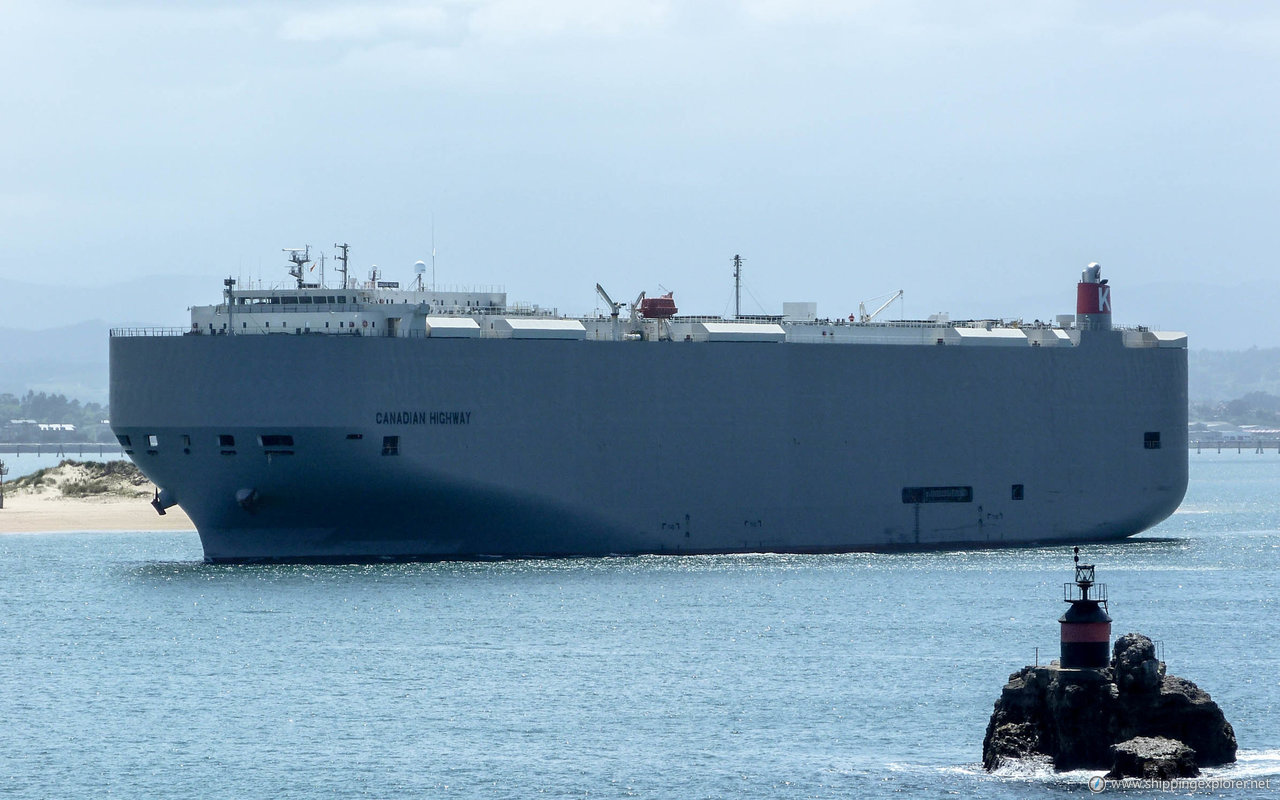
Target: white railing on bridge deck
150, 331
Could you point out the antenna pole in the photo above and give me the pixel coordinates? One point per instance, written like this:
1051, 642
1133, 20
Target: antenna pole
344, 247
230, 283
433, 252
737, 287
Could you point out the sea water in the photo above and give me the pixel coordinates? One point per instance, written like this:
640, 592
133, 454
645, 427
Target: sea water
132, 669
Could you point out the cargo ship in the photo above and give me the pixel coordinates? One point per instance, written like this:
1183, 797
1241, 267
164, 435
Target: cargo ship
369, 421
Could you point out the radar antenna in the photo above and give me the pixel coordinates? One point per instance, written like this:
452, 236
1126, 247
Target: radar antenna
300, 257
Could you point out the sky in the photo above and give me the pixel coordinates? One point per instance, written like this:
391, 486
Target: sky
976, 155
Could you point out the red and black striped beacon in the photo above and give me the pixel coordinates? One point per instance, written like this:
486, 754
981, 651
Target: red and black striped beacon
1086, 627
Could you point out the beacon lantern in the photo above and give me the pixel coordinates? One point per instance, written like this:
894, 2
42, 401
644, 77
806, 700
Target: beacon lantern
1086, 627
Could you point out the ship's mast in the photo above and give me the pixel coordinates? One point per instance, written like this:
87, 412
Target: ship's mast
344, 247
737, 286
300, 258
230, 283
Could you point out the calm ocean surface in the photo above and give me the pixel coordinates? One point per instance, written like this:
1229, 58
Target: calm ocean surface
132, 669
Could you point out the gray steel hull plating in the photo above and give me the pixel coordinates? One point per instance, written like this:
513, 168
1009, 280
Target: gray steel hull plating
588, 448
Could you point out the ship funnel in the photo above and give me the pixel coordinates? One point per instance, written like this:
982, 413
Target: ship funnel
1093, 300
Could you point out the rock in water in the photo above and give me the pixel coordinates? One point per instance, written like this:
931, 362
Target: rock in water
1134, 660
1152, 758
1075, 716
1159, 705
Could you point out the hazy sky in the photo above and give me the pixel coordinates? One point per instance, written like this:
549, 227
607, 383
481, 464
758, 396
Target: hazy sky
973, 154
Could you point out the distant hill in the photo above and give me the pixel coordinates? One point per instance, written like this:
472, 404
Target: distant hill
1216, 376
54, 339
160, 301
70, 360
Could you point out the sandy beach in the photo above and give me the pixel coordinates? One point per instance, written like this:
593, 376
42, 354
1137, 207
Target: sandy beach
30, 513
86, 496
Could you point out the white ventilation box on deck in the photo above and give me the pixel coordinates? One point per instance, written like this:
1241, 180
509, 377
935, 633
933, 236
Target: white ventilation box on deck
1144, 338
800, 312
993, 337
452, 328
1048, 337
739, 332
518, 328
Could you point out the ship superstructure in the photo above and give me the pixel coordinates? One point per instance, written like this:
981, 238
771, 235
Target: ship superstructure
374, 421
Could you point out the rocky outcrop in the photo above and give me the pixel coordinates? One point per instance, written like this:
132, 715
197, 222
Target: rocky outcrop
1152, 758
1076, 716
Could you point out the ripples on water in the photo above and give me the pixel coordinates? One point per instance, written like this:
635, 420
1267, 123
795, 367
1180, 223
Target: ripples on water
132, 668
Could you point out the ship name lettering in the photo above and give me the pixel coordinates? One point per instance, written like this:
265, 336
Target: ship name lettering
422, 418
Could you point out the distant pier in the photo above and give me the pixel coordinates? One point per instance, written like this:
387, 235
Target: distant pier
63, 449
1239, 445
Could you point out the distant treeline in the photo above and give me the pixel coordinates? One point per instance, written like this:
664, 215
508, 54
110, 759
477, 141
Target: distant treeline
1255, 408
21, 418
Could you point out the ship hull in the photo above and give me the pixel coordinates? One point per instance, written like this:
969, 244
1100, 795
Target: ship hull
509, 448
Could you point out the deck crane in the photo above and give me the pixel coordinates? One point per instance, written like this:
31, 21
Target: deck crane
614, 308
863, 316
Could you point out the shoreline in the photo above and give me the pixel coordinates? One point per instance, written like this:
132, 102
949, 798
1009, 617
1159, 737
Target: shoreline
37, 513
